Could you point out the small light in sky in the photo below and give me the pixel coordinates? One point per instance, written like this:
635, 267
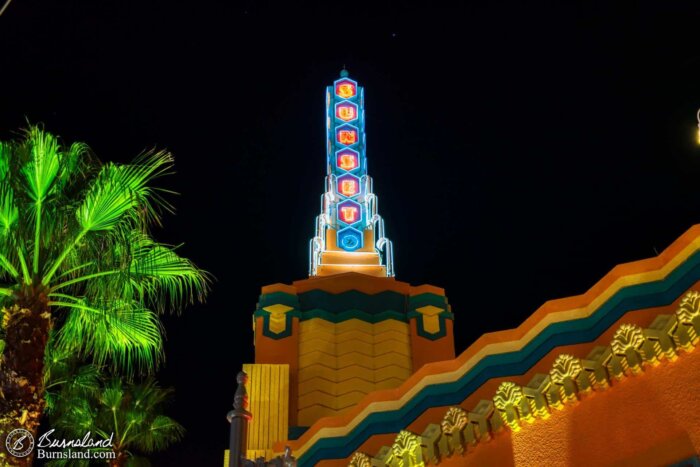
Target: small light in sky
698, 126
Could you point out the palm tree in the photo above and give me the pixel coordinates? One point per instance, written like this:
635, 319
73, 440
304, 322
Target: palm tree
76, 256
79, 400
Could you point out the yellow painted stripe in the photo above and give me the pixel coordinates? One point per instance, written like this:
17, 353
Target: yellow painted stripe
316, 324
308, 338
389, 383
392, 335
391, 325
388, 346
355, 336
391, 371
502, 347
338, 389
354, 325
364, 348
319, 345
401, 336
316, 398
329, 400
335, 375
311, 358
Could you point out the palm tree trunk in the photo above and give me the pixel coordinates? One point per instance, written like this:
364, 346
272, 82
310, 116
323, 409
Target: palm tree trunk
27, 327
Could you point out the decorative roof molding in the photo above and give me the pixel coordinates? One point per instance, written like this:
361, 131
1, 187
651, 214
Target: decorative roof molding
570, 380
643, 284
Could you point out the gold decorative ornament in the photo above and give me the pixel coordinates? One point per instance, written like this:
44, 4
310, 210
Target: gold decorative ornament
360, 459
565, 370
453, 424
688, 315
626, 343
570, 377
509, 400
406, 450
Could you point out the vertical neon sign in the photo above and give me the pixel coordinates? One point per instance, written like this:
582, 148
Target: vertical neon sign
349, 219
345, 110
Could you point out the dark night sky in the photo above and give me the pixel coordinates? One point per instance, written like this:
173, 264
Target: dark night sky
519, 150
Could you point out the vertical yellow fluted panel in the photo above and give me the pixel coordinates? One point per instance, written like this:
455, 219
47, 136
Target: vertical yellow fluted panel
340, 363
268, 393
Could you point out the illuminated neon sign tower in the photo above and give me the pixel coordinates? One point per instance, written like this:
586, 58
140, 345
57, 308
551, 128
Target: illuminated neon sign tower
349, 230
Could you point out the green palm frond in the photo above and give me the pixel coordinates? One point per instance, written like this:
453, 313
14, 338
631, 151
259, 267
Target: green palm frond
118, 189
43, 166
149, 395
73, 164
130, 413
64, 379
146, 168
85, 380
134, 417
110, 198
57, 363
157, 271
7, 266
111, 396
78, 415
5, 155
123, 334
77, 230
9, 213
159, 434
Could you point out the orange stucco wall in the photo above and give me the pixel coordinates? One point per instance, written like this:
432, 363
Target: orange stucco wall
646, 420
426, 350
642, 317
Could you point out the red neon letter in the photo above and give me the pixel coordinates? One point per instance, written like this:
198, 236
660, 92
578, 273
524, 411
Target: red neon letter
345, 90
348, 161
346, 112
348, 187
347, 137
348, 214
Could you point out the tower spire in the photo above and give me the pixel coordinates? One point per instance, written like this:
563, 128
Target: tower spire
349, 230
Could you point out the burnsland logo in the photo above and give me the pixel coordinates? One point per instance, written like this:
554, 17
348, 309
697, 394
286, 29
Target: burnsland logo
19, 442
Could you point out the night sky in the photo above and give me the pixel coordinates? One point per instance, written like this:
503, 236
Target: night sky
519, 150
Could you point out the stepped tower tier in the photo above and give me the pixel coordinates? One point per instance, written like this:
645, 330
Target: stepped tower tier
349, 230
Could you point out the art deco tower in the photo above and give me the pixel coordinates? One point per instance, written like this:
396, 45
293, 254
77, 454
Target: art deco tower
353, 367
349, 230
324, 343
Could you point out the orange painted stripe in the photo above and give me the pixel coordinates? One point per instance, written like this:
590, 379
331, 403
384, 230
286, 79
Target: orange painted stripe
560, 305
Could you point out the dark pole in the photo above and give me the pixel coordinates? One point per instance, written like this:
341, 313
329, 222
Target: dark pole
238, 418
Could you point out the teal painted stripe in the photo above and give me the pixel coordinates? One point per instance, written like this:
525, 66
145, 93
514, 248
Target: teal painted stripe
278, 297
296, 431
689, 462
352, 300
651, 294
442, 327
443, 314
353, 314
288, 316
425, 299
